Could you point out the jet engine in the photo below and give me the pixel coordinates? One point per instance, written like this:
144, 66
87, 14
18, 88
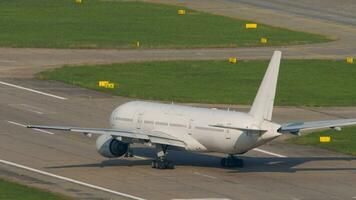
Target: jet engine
110, 147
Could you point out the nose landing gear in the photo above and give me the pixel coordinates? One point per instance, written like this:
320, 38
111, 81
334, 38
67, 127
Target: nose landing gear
129, 153
231, 161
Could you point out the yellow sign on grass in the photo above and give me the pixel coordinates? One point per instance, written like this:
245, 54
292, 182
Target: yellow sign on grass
233, 60
264, 40
248, 26
137, 44
103, 83
107, 84
181, 12
325, 139
78, 1
350, 60
110, 85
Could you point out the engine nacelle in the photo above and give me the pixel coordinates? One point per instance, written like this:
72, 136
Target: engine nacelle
109, 147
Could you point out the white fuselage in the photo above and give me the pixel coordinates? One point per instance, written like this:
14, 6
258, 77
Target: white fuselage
192, 125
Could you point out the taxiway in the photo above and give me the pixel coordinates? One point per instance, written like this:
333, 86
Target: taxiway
292, 172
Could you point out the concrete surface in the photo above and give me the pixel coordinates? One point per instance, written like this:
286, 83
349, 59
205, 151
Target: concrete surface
305, 172
295, 173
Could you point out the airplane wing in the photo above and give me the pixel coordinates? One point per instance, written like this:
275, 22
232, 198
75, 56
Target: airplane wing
297, 126
155, 137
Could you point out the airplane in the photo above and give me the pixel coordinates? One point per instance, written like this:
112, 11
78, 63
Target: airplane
179, 127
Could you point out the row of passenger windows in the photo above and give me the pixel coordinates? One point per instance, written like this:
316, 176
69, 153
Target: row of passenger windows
123, 119
171, 124
150, 122
210, 129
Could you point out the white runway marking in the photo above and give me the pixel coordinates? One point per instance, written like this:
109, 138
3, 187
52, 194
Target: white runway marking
204, 199
70, 180
205, 175
31, 90
7, 61
23, 125
269, 153
142, 158
28, 108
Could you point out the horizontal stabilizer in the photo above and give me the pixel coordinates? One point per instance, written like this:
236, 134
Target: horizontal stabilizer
295, 127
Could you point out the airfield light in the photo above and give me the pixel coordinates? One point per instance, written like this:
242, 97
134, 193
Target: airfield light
78, 1
137, 44
337, 128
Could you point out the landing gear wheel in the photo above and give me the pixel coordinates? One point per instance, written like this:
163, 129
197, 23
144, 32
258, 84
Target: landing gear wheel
154, 164
231, 161
223, 162
238, 162
162, 164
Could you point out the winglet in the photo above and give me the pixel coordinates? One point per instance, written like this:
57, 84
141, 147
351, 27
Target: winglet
262, 106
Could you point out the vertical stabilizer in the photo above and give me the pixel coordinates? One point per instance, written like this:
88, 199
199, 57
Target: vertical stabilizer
262, 106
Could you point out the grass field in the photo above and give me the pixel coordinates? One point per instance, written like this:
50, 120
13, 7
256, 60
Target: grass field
301, 82
13, 191
117, 24
344, 141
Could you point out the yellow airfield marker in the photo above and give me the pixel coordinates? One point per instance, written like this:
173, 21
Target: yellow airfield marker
264, 40
325, 138
137, 44
78, 1
107, 84
181, 12
251, 26
103, 83
350, 60
110, 85
233, 60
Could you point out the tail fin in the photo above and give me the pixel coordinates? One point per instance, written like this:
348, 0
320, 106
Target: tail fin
262, 106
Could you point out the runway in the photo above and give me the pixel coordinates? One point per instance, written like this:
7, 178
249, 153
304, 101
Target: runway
69, 164
328, 10
294, 172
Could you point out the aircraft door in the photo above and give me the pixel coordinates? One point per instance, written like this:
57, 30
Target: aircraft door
139, 120
190, 126
227, 132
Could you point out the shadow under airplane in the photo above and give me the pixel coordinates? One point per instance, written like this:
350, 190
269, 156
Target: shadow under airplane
252, 164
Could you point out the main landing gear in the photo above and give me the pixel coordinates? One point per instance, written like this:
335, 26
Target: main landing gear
161, 162
232, 161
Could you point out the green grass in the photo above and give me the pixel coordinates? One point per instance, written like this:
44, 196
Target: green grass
301, 82
13, 191
344, 141
117, 24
